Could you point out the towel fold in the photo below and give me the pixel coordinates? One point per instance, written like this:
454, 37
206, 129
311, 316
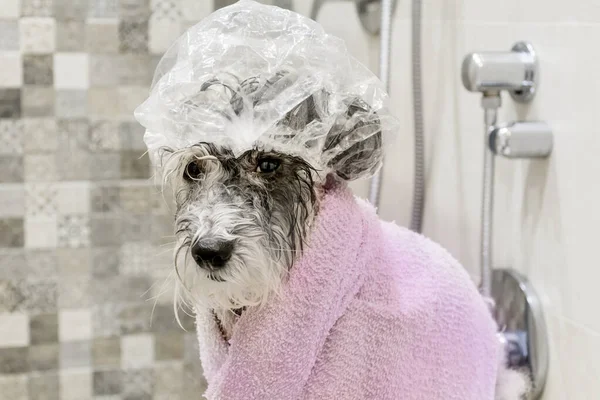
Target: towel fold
370, 311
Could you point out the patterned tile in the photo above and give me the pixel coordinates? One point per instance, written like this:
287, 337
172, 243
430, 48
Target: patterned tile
14, 360
105, 262
105, 198
43, 328
105, 320
12, 200
75, 354
70, 10
14, 330
39, 297
107, 382
44, 386
74, 292
76, 384
71, 70
106, 352
40, 168
40, 199
168, 346
103, 136
133, 36
11, 169
11, 298
14, 387
10, 103
37, 35
43, 357
36, 8
135, 257
12, 70
136, 227
166, 9
70, 103
40, 135
11, 136
102, 36
9, 35
138, 384
72, 134
103, 102
134, 165
41, 263
37, 101
70, 35
103, 8
137, 10
73, 230
11, 232
38, 69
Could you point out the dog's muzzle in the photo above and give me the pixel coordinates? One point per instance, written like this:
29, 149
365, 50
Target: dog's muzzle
212, 256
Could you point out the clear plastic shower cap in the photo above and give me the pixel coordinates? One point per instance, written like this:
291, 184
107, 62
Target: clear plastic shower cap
251, 75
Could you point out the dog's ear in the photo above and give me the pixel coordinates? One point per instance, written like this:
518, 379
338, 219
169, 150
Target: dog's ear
354, 142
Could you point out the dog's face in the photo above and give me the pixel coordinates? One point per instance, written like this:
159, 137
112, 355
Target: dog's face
242, 219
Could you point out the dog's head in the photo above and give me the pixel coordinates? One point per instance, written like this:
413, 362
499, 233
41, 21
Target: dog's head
243, 216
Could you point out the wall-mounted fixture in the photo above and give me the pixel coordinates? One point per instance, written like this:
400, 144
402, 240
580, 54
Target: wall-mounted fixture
369, 12
517, 307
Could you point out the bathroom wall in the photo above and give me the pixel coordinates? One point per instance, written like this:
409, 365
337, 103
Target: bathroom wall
84, 237
546, 213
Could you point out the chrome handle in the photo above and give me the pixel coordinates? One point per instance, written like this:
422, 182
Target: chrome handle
491, 72
521, 140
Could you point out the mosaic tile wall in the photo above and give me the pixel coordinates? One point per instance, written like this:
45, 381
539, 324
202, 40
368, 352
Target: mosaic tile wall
84, 238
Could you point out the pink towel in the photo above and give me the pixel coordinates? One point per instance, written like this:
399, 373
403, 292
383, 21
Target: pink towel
370, 311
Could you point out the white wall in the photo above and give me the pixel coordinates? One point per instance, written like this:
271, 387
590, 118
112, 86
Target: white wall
546, 211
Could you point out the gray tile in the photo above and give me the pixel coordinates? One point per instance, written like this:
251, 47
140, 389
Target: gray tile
38, 69
105, 166
133, 36
14, 360
102, 70
105, 262
102, 36
73, 262
11, 137
106, 352
44, 386
41, 263
103, 136
9, 35
168, 346
135, 69
12, 233
135, 165
70, 35
40, 135
162, 230
14, 387
105, 198
73, 230
73, 165
43, 328
138, 384
103, 102
105, 320
40, 168
137, 10
43, 357
11, 297
11, 169
73, 134
10, 103
37, 101
132, 136
110, 290
75, 354
13, 263
135, 318
107, 382
70, 10
135, 199
103, 8
136, 227
74, 292
36, 8
70, 103
193, 377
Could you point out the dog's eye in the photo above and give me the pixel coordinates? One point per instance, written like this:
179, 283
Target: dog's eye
192, 171
266, 165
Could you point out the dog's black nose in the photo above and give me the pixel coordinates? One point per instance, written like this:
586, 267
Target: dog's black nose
213, 255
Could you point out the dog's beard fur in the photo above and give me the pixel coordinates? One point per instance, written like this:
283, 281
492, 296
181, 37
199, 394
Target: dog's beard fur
267, 216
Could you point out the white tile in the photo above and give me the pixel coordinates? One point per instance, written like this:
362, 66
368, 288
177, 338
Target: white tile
11, 73
37, 35
40, 232
76, 384
162, 33
73, 197
579, 352
71, 71
10, 9
137, 351
74, 325
12, 200
14, 330
193, 10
